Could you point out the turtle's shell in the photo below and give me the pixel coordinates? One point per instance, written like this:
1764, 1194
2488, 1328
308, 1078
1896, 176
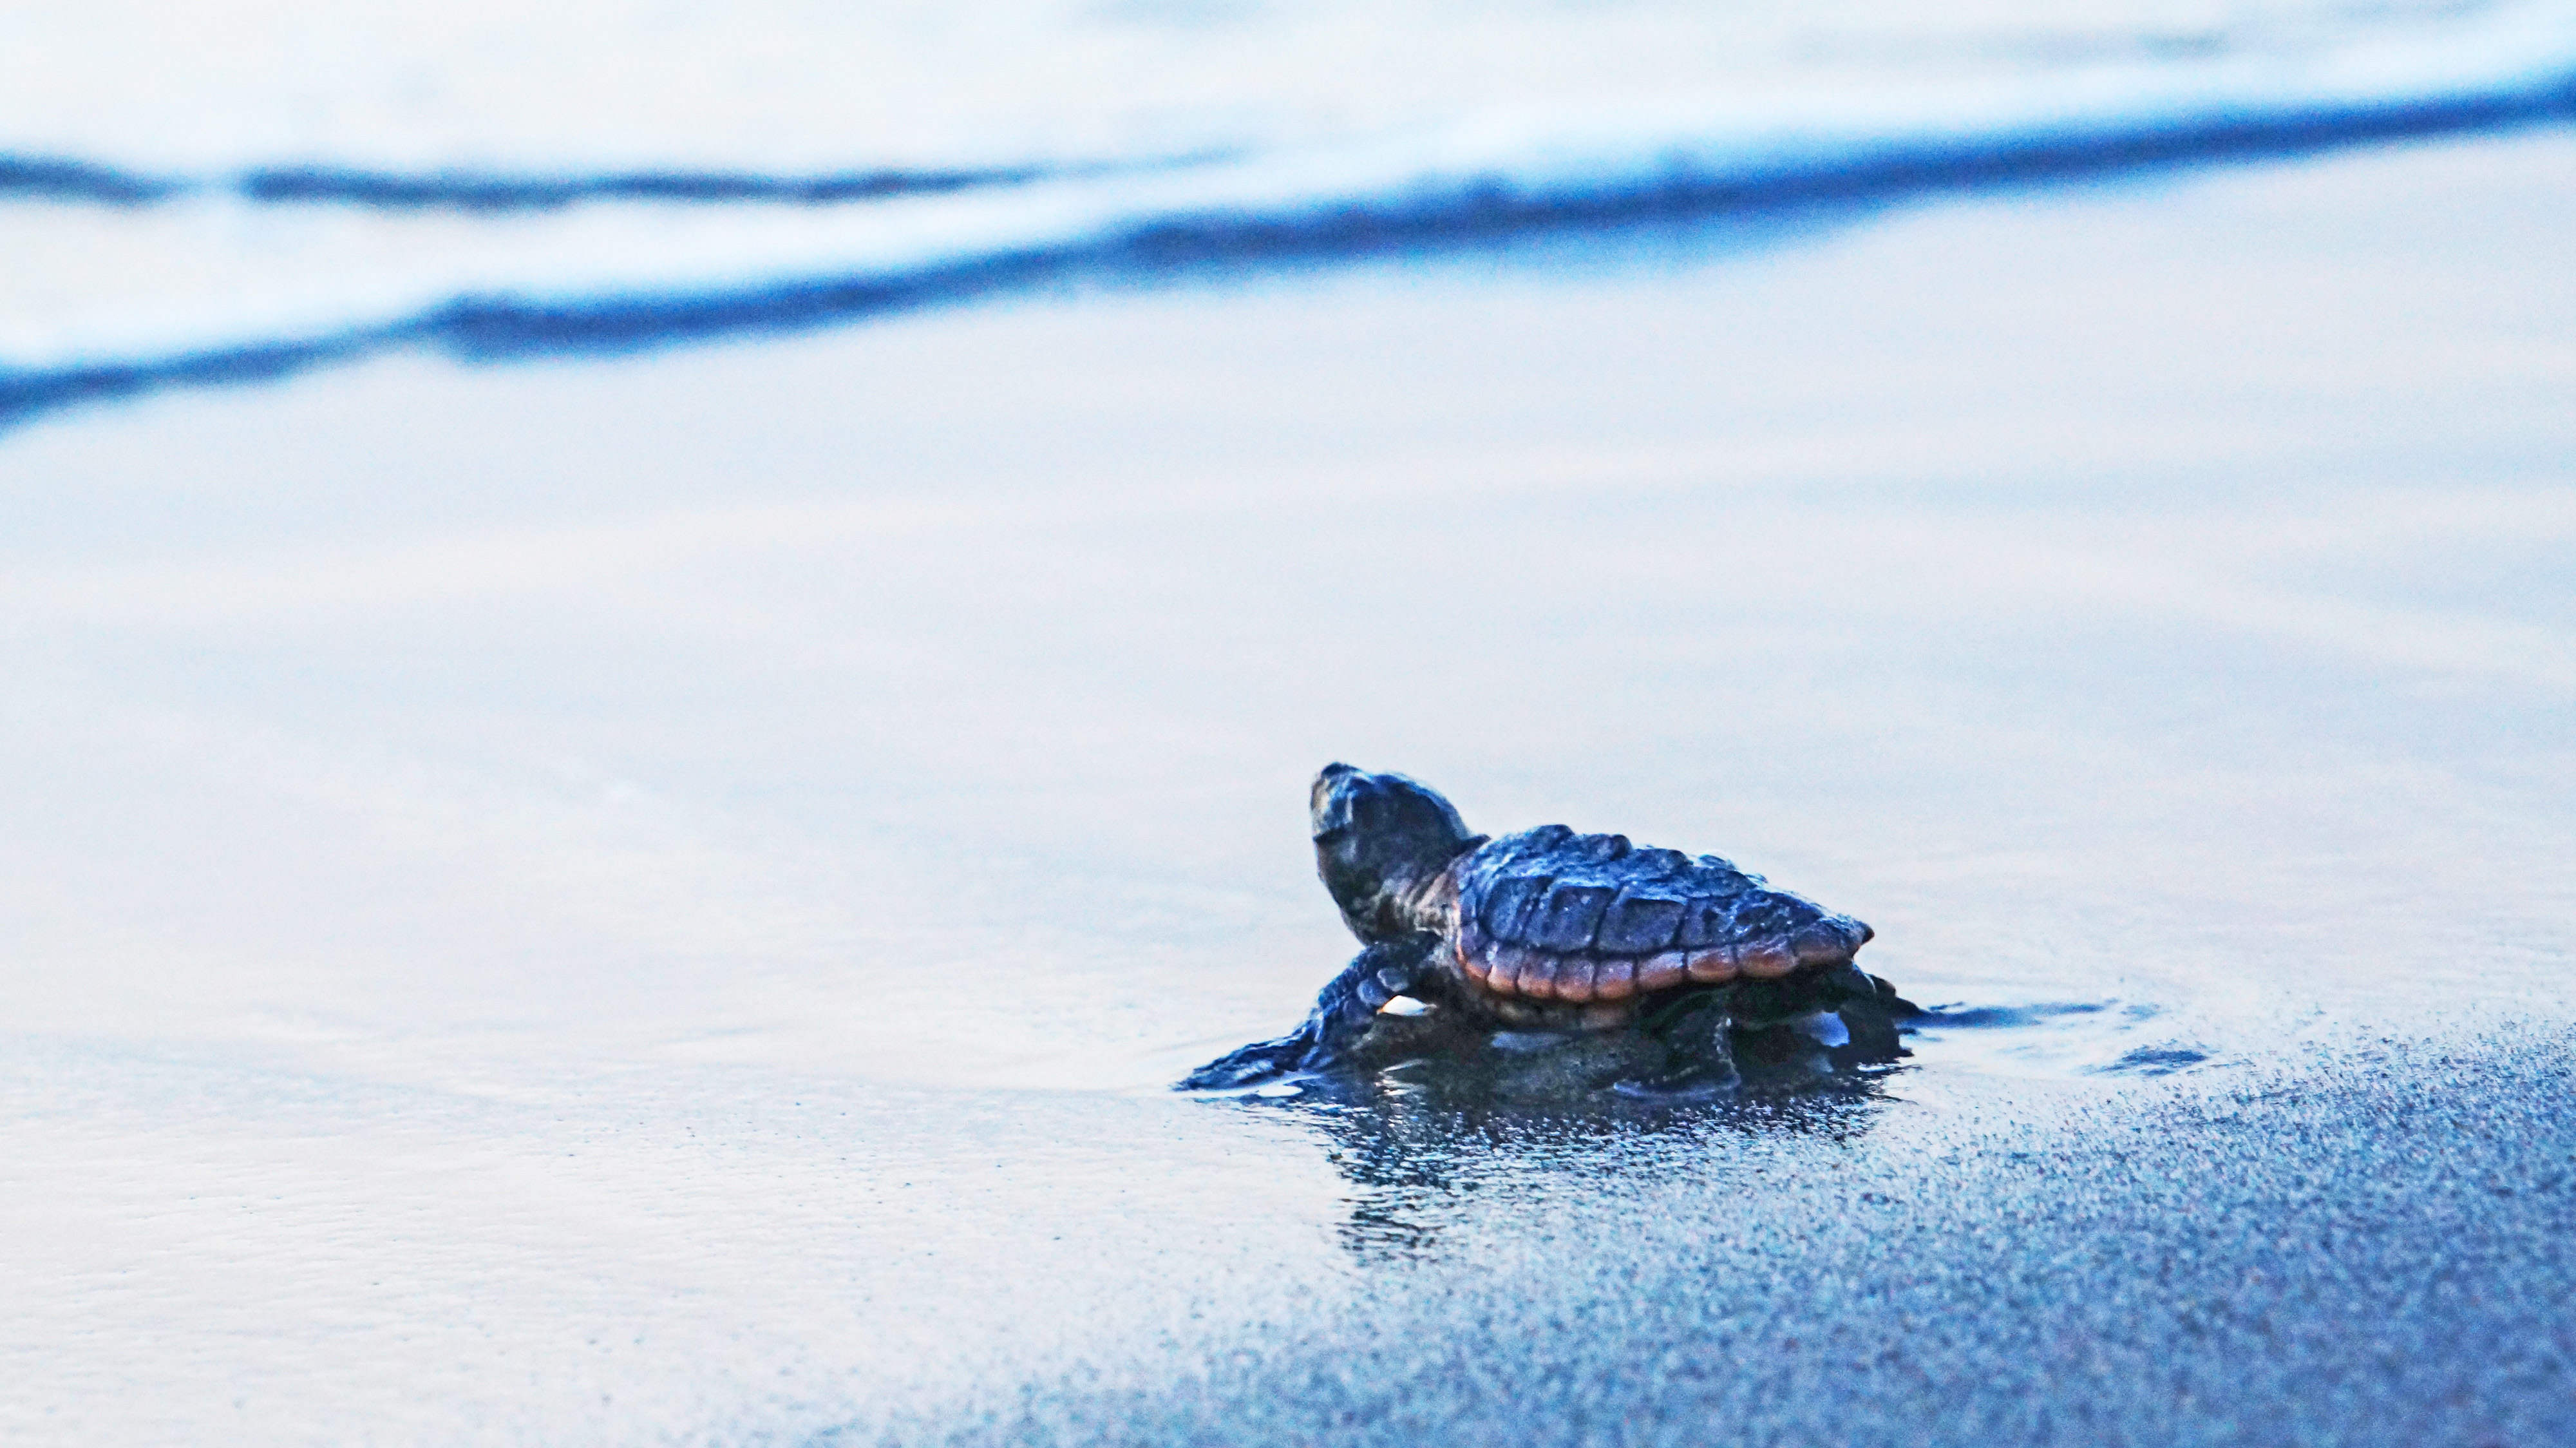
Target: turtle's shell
1550, 915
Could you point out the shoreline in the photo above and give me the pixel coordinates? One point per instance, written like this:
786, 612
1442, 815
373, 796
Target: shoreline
656, 897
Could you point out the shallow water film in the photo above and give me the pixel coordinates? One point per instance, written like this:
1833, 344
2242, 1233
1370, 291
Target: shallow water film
662, 898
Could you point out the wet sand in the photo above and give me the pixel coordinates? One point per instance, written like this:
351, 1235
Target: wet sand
655, 898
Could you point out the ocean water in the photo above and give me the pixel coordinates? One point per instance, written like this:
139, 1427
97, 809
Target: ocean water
192, 193
653, 893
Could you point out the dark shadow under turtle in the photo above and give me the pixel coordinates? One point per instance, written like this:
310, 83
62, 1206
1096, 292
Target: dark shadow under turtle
1549, 964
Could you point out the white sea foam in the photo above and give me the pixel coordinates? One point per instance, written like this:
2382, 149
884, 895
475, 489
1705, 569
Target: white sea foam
216, 275
170, 85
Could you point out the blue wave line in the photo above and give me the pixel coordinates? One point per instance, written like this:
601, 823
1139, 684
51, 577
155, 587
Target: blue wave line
1469, 212
61, 178
469, 191
58, 178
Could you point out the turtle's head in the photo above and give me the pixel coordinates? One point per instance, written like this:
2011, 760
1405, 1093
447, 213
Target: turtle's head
1380, 841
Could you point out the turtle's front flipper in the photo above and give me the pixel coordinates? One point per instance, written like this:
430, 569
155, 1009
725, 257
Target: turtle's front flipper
1343, 1011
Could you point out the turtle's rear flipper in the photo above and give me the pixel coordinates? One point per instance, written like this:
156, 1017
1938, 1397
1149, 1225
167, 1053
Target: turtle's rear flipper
1697, 1033
1875, 1020
1343, 1011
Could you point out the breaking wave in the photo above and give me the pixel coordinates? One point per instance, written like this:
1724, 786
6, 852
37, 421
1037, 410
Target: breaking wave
634, 258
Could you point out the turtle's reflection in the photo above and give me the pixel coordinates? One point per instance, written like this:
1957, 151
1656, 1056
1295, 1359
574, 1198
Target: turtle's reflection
1429, 1131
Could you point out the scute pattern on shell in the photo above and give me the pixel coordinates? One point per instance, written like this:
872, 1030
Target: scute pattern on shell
1548, 914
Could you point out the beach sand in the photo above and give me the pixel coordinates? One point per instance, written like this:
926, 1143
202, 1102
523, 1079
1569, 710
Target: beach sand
656, 897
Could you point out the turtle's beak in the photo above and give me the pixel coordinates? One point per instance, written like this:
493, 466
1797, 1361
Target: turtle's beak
1329, 802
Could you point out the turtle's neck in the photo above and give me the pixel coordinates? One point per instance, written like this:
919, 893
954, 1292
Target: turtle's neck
1430, 901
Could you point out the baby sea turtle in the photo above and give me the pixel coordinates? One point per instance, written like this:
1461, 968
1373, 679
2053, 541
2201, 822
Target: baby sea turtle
1547, 933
